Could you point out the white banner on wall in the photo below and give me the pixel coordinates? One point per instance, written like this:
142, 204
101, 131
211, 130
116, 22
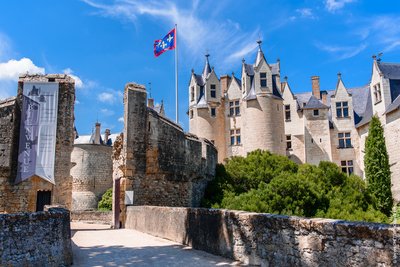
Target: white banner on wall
37, 140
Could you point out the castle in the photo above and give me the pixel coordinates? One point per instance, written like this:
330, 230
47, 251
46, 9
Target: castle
259, 111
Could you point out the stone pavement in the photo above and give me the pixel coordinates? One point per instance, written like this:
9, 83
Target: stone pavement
98, 245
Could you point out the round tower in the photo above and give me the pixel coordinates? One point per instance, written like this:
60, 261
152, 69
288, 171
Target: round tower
204, 102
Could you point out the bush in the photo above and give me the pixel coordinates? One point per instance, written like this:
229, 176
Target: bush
263, 182
105, 204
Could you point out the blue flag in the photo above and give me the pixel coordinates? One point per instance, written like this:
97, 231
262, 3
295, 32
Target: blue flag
164, 44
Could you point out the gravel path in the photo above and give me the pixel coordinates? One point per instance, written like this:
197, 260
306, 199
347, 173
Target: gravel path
98, 245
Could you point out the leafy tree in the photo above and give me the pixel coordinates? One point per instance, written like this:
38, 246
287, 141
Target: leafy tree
377, 169
105, 204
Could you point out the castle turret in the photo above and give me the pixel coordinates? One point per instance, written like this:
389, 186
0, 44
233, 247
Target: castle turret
262, 107
205, 98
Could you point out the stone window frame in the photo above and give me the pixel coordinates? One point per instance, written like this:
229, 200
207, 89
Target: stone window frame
234, 108
315, 112
263, 79
287, 113
191, 114
377, 93
347, 166
342, 107
344, 140
213, 112
191, 93
289, 142
235, 137
213, 91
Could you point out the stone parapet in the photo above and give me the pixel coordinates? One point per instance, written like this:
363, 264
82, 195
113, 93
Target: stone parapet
272, 240
36, 239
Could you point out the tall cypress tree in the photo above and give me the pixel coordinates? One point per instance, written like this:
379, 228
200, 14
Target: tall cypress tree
377, 169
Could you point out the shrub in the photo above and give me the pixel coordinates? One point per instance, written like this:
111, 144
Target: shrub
105, 204
377, 169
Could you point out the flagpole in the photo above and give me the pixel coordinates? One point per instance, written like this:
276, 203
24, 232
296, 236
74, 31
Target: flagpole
176, 73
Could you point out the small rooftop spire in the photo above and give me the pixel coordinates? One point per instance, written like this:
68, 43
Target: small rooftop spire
260, 54
207, 69
339, 75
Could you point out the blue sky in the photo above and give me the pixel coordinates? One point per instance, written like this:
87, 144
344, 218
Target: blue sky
105, 44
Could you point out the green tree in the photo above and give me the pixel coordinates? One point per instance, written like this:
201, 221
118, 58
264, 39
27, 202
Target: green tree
377, 169
105, 204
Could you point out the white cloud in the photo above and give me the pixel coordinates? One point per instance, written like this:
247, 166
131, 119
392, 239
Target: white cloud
78, 82
121, 119
107, 112
11, 69
306, 13
106, 97
341, 52
335, 5
224, 36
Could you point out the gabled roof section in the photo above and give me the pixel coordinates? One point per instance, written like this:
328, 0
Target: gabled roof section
365, 117
340, 84
248, 69
274, 68
314, 103
389, 70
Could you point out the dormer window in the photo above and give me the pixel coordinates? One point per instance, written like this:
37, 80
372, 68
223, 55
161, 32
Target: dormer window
342, 109
377, 93
213, 91
263, 79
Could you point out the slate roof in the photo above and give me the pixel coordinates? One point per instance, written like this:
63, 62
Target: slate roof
199, 79
85, 139
390, 70
394, 105
314, 103
249, 69
362, 104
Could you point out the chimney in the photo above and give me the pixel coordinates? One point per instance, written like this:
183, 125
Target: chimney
97, 134
315, 87
225, 83
106, 135
150, 102
324, 96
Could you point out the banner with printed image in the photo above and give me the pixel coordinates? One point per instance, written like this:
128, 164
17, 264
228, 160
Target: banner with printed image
38, 128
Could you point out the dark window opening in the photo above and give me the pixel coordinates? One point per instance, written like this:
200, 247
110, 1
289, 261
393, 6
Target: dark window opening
43, 198
316, 112
213, 91
263, 79
287, 112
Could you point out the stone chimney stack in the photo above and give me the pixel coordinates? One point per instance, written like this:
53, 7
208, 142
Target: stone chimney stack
150, 102
316, 91
106, 135
324, 97
97, 134
225, 83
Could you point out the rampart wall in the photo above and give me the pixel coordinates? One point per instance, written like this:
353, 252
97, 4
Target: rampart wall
272, 240
161, 164
36, 239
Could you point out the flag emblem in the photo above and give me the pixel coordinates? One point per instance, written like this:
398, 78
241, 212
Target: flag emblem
164, 44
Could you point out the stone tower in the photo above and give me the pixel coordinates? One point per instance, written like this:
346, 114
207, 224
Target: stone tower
206, 117
262, 123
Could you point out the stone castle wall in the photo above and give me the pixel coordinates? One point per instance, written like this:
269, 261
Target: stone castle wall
158, 161
22, 196
92, 174
36, 239
272, 240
